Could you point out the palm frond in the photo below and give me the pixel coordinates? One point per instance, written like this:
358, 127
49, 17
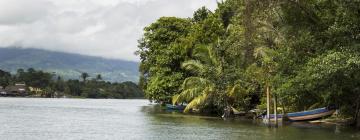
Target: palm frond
191, 88
236, 91
175, 99
206, 54
187, 95
194, 66
266, 54
199, 100
195, 103
191, 82
232, 91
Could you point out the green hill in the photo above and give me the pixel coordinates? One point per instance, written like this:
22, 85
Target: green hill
68, 65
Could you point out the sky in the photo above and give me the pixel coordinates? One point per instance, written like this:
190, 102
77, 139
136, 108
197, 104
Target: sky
105, 28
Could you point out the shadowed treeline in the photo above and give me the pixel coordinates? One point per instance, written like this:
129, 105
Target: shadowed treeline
44, 84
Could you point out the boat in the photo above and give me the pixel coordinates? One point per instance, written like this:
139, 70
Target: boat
309, 115
272, 117
175, 107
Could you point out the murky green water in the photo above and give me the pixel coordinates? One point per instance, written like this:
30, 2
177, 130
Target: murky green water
59, 119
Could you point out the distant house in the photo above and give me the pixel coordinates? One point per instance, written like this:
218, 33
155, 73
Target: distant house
19, 89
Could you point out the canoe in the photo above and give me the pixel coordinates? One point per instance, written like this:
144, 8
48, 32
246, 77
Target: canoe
309, 115
175, 107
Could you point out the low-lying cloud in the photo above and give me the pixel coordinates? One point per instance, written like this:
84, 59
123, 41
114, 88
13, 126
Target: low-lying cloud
106, 28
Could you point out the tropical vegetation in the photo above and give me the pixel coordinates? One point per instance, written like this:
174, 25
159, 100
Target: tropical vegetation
44, 84
306, 53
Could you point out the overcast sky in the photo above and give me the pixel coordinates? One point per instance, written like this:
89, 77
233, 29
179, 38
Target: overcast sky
107, 28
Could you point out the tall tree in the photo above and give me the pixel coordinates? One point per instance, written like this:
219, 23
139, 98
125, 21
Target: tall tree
98, 77
161, 57
84, 76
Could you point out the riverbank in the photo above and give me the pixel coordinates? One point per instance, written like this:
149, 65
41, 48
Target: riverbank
334, 119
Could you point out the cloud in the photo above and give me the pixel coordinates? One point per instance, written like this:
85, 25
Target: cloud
23, 11
106, 28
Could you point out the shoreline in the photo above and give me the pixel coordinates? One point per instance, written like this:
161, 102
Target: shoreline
36, 97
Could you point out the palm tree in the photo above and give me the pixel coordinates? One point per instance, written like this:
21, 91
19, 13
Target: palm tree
84, 76
263, 72
270, 38
208, 80
196, 89
98, 77
208, 71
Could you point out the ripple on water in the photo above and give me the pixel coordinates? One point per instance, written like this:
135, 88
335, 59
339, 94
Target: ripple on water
58, 119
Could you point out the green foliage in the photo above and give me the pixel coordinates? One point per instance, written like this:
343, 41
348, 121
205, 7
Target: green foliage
331, 78
201, 14
84, 76
5, 78
161, 58
57, 87
34, 78
305, 52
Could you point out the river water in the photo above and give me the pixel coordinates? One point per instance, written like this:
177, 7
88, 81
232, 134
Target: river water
102, 119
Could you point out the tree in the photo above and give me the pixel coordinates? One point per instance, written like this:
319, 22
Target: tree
98, 77
201, 14
207, 84
5, 78
276, 47
196, 89
264, 71
84, 76
74, 87
331, 78
161, 57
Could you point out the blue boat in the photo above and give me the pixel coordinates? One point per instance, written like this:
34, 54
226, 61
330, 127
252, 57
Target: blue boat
309, 115
175, 107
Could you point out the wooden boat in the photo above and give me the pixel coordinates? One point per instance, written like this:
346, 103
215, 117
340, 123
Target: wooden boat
272, 117
309, 115
175, 107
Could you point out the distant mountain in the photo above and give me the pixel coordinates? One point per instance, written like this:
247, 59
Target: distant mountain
68, 65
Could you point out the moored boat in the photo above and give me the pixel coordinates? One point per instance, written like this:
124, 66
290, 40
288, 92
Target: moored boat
272, 117
309, 115
175, 107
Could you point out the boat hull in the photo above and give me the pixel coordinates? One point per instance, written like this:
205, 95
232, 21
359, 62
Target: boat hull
311, 116
175, 107
304, 115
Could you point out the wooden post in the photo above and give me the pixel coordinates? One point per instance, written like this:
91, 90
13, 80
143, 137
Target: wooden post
275, 110
358, 120
283, 107
268, 103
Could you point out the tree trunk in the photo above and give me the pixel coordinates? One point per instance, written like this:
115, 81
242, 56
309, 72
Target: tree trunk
275, 111
283, 107
357, 114
358, 120
249, 32
268, 103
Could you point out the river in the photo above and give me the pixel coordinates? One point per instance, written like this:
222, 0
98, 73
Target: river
107, 119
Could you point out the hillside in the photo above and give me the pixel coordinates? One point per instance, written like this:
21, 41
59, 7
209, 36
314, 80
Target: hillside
68, 65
